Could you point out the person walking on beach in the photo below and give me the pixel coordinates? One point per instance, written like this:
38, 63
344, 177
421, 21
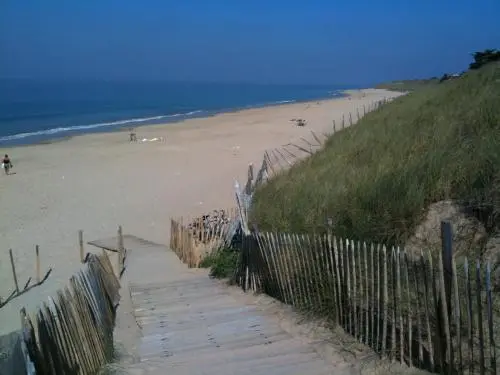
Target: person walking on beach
6, 164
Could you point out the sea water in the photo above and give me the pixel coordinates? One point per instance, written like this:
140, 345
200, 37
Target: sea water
38, 111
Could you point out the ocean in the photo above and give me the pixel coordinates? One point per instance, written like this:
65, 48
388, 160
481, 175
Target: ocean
33, 112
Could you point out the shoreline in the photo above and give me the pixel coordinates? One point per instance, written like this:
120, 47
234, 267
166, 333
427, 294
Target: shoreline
174, 119
96, 182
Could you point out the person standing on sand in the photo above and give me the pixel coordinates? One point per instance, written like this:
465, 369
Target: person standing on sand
6, 164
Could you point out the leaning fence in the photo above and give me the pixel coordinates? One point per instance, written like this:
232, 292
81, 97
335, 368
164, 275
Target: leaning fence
420, 310
194, 239
72, 333
281, 158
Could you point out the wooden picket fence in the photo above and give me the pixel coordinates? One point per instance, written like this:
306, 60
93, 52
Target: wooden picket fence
72, 333
192, 244
416, 310
281, 158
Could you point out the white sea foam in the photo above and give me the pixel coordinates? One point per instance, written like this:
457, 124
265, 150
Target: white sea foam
63, 129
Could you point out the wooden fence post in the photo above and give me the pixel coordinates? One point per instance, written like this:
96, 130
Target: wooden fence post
14, 274
120, 250
447, 254
447, 278
480, 319
470, 317
80, 243
493, 359
37, 264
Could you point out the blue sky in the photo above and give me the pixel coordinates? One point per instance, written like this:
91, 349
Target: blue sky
273, 41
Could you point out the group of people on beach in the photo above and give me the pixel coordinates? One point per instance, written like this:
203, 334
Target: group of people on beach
6, 164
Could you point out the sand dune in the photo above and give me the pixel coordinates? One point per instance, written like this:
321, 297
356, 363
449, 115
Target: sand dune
96, 182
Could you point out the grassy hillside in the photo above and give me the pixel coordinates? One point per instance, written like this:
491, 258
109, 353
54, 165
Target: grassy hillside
408, 85
376, 179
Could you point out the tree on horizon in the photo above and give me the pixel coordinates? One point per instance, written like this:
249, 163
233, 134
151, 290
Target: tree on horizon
482, 58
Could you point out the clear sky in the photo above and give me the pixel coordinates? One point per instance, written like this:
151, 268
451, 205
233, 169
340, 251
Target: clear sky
262, 41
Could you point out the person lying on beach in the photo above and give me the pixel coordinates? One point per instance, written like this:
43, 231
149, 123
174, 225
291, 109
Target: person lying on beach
6, 164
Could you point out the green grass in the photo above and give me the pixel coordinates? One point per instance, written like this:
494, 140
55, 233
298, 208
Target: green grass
222, 263
408, 85
376, 179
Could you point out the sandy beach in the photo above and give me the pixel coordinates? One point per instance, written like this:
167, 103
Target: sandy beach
99, 181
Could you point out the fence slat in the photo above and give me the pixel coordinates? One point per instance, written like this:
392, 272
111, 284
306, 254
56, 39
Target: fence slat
367, 296
480, 319
493, 360
317, 264
417, 280
427, 279
385, 297
399, 305
303, 271
470, 318
285, 256
355, 328
332, 275
297, 274
374, 300
445, 316
409, 307
395, 302
337, 257
439, 337
348, 274
313, 274
274, 267
342, 283
380, 315
458, 316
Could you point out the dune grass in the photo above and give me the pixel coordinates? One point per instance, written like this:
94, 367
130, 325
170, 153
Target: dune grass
375, 180
408, 85
222, 263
